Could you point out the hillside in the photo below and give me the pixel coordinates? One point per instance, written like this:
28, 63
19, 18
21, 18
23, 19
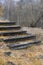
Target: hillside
33, 55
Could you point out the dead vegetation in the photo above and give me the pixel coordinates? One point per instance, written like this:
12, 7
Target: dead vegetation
36, 31
30, 56
27, 56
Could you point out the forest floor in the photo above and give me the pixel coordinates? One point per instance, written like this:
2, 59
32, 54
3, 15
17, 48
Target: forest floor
33, 55
36, 31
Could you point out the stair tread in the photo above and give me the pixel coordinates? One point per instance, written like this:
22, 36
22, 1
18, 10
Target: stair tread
10, 26
13, 37
7, 22
19, 38
6, 32
25, 42
21, 42
16, 27
13, 30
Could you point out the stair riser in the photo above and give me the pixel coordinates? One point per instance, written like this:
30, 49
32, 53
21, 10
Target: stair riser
10, 28
7, 23
13, 33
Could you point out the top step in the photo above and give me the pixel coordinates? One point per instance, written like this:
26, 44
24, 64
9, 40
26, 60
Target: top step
7, 23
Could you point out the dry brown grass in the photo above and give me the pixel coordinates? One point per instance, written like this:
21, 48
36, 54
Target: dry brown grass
23, 57
27, 56
36, 31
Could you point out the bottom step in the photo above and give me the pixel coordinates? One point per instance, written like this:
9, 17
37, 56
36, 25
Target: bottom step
22, 45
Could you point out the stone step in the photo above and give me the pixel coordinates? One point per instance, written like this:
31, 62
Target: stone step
1, 31
10, 27
22, 45
13, 33
7, 23
19, 38
10, 36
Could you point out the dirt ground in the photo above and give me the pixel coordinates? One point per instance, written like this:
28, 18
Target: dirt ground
33, 55
36, 31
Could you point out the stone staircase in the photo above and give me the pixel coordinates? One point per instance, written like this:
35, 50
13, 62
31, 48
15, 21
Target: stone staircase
14, 37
